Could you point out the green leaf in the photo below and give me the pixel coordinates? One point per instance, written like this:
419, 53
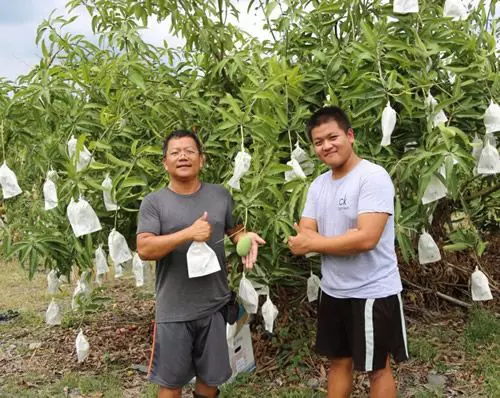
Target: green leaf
117, 161
136, 78
133, 182
457, 247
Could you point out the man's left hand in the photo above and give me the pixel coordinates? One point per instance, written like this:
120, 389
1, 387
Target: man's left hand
300, 244
250, 259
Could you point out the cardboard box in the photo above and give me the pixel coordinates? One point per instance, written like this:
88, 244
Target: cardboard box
239, 344
240, 348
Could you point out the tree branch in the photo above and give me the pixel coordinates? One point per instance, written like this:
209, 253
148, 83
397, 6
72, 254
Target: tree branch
453, 300
483, 192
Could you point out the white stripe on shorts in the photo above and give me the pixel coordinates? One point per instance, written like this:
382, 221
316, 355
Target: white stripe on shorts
403, 325
369, 339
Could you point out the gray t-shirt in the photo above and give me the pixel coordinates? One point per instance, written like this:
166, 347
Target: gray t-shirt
335, 205
163, 212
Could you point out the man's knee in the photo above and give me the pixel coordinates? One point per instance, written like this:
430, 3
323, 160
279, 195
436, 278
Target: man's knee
168, 392
341, 364
378, 374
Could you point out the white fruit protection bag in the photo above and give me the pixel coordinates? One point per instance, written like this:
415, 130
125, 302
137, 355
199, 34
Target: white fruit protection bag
82, 217
118, 248
107, 187
50, 191
389, 117
85, 283
269, 313
248, 295
428, 250
301, 164
489, 161
52, 282
439, 117
477, 147
455, 9
101, 262
313, 283
434, 191
8, 180
405, 6
118, 271
79, 290
492, 118
82, 347
53, 314
201, 260
84, 157
480, 287
138, 270
241, 167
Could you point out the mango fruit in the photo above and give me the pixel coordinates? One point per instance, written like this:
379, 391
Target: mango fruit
243, 246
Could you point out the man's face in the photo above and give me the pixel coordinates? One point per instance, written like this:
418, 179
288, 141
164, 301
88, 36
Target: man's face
183, 161
332, 144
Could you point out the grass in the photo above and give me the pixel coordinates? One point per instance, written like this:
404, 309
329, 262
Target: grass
14, 287
420, 347
482, 341
429, 394
482, 328
32, 385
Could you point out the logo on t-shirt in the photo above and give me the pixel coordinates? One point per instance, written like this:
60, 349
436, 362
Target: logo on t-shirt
343, 203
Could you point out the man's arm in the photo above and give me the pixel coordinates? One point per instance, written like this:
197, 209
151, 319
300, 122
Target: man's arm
155, 247
370, 227
308, 223
365, 237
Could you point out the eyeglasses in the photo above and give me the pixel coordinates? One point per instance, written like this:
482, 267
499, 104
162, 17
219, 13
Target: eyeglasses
189, 152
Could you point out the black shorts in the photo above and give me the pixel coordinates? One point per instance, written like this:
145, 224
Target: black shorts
183, 350
366, 330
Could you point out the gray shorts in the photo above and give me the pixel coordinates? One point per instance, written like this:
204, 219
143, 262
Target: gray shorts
183, 350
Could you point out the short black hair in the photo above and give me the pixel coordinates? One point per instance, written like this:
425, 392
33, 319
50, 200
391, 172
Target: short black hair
180, 134
325, 115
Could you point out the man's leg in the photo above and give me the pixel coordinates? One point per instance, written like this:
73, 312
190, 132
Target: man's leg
171, 364
382, 384
165, 392
203, 390
332, 341
210, 355
340, 378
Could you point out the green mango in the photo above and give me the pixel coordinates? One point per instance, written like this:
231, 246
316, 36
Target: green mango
243, 246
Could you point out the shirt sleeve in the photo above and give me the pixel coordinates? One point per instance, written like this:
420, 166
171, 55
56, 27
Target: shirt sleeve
311, 202
149, 217
376, 194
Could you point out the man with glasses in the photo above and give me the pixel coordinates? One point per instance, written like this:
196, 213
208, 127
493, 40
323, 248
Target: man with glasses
190, 330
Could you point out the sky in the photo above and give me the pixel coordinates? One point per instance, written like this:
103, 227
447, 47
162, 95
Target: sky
19, 20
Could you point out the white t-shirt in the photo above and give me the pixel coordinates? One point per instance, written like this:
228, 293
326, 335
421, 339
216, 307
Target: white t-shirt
335, 205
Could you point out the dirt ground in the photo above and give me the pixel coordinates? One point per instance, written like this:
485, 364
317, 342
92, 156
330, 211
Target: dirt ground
456, 354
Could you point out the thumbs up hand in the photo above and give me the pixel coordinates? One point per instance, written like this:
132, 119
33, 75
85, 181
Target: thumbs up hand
301, 243
201, 230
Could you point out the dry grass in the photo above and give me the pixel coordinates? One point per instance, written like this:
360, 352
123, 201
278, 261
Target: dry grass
19, 293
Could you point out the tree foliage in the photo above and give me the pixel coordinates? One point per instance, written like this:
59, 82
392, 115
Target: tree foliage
120, 96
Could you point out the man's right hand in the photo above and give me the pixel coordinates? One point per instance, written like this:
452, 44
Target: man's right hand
201, 230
